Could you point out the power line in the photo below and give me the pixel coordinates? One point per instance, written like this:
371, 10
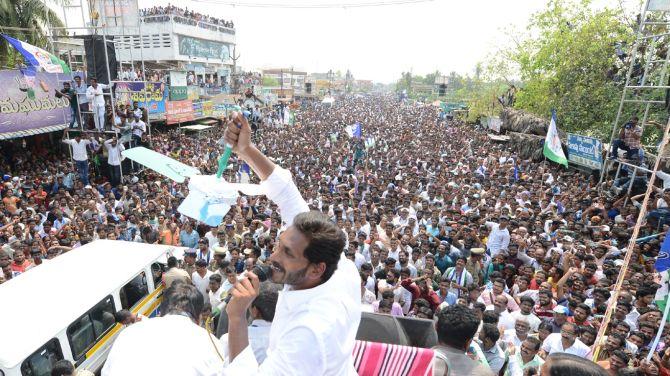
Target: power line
314, 6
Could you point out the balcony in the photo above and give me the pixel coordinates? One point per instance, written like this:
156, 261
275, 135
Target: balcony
187, 21
187, 26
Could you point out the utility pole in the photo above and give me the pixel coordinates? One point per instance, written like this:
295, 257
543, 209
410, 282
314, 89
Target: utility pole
234, 58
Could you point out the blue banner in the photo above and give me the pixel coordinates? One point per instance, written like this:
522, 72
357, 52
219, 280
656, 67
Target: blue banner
156, 95
585, 151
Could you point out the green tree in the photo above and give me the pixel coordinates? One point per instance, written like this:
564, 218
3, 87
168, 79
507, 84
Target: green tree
431, 77
26, 20
563, 63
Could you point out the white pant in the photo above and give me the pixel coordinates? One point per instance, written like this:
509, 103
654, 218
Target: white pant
99, 117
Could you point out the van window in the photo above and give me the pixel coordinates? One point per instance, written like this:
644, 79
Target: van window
157, 269
88, 329
134, 291
41, 361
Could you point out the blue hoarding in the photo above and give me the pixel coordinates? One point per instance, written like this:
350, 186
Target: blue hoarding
585, 151
155, 95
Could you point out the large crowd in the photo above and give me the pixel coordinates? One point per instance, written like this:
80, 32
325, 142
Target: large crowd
183, 15
435, 215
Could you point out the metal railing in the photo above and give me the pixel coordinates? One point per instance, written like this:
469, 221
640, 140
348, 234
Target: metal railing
164, 18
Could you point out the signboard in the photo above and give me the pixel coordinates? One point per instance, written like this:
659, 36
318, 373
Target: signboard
177, 78
195, 47
585, 151
178, 93
221, 110
197, 109
153, 98
30, 103
178, 111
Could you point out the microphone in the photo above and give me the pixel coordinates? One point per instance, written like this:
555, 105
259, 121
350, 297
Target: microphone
262, 271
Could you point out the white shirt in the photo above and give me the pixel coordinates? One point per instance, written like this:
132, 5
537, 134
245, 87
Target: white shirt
498, 238
314, 330
179, 347
399, 293
553, 344
79, 152
215, 298
94, 95
533, 320
259, 339
114, 152
510, 337
139, 127
201, 283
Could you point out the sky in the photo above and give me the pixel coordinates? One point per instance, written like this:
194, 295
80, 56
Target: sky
375, 43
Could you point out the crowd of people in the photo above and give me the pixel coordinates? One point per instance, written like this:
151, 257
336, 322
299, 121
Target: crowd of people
441, 223
183, 15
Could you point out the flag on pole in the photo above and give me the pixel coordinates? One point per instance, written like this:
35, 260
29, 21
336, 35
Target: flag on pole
662, 266
38, 57
552, 144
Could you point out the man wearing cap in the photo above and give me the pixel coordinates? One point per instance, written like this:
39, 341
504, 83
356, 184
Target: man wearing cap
220, 252
560, 318
475, 265
499, 236
189, 260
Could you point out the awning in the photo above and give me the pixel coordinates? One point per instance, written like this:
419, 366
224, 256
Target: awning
196, 127
32, 132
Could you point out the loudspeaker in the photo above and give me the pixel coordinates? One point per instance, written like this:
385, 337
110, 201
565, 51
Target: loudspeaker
96, 63
308, 87
442, 89
395, 330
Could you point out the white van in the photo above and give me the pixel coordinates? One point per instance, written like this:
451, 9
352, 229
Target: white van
64, 308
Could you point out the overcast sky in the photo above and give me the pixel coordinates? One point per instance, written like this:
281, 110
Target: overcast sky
376, 43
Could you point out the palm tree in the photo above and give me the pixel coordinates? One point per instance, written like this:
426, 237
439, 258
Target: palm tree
28, 21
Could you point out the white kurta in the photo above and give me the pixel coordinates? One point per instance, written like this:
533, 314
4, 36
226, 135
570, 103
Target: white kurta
314, 330
170, 345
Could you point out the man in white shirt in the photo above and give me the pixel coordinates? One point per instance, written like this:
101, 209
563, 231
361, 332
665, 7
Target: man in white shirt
566, 341
200, 277
139, 128
80, 90
114, 149
318, 311
180, 346
95, 96
80, 156
499, 236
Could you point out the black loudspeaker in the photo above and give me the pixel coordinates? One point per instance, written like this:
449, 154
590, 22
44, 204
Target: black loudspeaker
308, 87
96, 61
406, 331
442, 89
